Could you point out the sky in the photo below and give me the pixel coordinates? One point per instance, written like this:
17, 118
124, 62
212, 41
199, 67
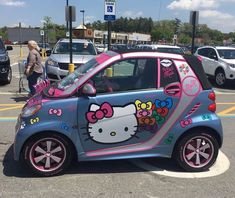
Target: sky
217, 14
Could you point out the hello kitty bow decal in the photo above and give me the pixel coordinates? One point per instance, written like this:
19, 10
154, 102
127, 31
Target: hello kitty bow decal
164, 103
57, 112
105, 111
141, 105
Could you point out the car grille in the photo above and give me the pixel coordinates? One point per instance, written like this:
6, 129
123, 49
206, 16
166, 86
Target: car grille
54, 77
65, 66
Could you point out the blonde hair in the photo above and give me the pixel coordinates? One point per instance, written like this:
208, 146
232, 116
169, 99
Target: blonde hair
33, 44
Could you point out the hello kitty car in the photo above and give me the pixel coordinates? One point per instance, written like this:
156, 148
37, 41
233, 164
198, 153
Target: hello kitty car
116, 106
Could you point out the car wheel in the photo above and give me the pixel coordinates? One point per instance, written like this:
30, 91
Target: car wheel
9, 76
220, 78
47, 154
197, 151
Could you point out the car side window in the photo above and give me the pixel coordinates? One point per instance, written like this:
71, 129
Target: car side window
127, 75
212, 54
203, 52
169, 73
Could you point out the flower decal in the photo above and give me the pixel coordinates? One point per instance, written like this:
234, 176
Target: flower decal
185, 123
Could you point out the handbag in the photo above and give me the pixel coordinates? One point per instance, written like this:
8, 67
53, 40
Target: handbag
30, 71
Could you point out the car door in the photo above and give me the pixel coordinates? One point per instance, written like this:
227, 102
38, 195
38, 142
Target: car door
212, 61
126, 117
203, 52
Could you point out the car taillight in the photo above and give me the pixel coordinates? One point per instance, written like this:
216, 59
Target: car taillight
212, 107
212, 96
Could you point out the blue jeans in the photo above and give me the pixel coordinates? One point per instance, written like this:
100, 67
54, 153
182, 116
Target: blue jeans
32, 80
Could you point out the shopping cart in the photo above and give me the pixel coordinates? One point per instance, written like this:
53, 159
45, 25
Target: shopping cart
23, 77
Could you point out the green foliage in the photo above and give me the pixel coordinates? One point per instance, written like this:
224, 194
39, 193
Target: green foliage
3, 33
159, 30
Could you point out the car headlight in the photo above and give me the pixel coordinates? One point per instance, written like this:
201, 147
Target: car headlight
29, 111
3, 58
232, 65
51, 62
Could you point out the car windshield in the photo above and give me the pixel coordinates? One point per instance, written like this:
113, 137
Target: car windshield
45, 45
71, 82
77, 48
227, 53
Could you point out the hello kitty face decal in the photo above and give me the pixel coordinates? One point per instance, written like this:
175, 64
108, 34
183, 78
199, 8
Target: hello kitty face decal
111, 124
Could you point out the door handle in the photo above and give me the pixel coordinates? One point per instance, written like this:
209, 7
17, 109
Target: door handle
173, 89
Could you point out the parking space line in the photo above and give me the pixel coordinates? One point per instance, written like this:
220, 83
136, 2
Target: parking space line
227, 112
10, 108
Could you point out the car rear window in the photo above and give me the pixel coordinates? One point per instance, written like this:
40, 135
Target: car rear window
196, 66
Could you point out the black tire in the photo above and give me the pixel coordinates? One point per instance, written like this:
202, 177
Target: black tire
9, 76
220, 78
196, 151
8, 79
47, 154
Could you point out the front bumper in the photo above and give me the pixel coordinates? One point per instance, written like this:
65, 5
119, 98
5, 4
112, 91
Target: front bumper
230, 73
55, 73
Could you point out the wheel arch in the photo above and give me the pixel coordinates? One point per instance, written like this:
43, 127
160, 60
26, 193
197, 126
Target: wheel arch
209, 130
220, 68
49, 133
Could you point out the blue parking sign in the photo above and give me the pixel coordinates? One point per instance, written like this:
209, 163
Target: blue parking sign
109, 10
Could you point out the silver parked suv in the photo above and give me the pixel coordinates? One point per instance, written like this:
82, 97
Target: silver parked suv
57, 64
218, 62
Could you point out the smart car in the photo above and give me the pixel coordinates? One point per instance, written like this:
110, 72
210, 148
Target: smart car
119, 106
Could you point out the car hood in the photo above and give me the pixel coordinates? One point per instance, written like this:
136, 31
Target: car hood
229, 61
2, 52
65, 58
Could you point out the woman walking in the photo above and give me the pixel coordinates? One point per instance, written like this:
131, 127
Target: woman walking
34, 68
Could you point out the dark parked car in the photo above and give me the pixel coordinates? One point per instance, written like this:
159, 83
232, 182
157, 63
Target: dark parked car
5, 68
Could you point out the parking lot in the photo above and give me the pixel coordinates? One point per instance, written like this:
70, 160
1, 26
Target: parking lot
150, 178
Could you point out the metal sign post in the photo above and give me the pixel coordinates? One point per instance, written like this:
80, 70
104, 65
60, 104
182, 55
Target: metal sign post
70, 16
109, 15
194, 15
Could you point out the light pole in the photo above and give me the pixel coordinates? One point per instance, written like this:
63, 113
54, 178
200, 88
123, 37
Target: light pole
67, 23
83, 23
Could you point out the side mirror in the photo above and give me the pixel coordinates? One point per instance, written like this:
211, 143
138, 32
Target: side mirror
9, 47
88, 90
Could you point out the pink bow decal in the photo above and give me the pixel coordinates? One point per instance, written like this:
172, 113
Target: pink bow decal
57, 112
105, 111
185, 123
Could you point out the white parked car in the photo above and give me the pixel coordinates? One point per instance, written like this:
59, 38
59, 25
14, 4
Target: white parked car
218, 62
58, 62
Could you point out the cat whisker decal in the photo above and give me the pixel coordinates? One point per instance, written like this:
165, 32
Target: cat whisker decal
89, 138
134, 135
